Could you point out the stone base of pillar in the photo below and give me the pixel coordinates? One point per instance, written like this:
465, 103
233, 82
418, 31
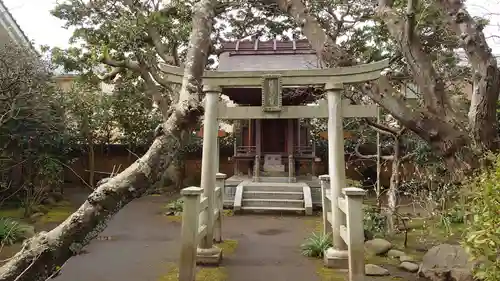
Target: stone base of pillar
212, 256
292, 179
338, 259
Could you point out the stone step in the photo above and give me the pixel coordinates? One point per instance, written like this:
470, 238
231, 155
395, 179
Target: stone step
272, 209
266, 203
266, 177
273, 195
277, 187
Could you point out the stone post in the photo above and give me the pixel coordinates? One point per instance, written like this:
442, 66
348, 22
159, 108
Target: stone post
207, 252
189, 232
313, 165
354, 198
336, 256
217, 157
291, 168
326, 205
256, 169
219, 204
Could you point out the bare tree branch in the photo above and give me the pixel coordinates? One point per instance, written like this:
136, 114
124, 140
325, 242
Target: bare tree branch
360, 155
381, 128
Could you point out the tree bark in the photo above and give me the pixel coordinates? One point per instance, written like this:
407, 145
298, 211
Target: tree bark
482, 112
445, 138
392, 193
437, 123
43, 255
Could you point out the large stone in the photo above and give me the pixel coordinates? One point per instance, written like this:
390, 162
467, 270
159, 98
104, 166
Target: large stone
375, 270
378, 246
395, 253
447, 262
36, 216
211, 256
49, 201
338, 259
409, 266
57, 196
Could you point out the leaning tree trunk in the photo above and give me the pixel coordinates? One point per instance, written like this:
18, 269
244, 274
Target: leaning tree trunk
43, 255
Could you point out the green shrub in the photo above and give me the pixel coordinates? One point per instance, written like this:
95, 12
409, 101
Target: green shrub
373, 221
482, 238
175, 207
12, 231
453, 216
316, 245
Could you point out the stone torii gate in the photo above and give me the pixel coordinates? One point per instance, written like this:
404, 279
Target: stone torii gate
332, 80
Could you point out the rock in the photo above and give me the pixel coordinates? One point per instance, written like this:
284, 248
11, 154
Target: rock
447, 262
375, 270
406, 258
56, 196
395, 253
36, 216
378, 246
49, 201
40, 209
409, 266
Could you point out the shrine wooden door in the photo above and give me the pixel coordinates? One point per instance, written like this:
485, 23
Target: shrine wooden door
273, 135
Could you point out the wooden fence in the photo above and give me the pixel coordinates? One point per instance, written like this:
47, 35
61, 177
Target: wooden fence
195, 226
351, 204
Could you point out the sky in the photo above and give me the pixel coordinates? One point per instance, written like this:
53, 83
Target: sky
35, 20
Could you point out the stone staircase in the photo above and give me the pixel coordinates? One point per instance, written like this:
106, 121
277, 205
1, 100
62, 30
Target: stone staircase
273, 196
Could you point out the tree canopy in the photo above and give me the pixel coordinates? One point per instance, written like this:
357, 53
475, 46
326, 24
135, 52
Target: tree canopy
422, 39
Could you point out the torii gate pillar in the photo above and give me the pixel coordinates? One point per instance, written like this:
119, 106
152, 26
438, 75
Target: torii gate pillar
336, 256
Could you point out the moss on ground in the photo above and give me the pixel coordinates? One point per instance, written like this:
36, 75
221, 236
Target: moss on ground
228, 246
58, 213
315, 224
211, 274
14, 213
204, 273
228, 213
172, 273
329, 274
174, 218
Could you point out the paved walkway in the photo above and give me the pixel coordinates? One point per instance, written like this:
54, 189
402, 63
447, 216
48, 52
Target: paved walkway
142, 243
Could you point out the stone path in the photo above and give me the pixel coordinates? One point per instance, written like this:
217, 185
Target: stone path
139, 243
268, 249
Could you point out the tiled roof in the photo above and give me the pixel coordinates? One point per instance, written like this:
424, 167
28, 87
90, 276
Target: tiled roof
252, 47
250, 55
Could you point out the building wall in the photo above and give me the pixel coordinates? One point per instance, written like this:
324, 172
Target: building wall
117, 160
